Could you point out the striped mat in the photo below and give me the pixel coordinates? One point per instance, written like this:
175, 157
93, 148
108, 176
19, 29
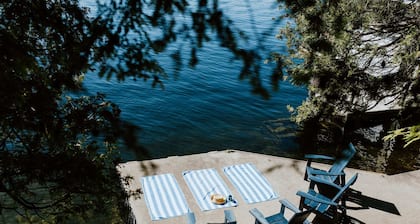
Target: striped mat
164, 197
250, 183
204, 183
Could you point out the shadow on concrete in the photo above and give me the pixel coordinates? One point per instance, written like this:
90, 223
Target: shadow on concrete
359, 201
342, 219
273, 168
294, 166
366, 202
148, 167
350, 220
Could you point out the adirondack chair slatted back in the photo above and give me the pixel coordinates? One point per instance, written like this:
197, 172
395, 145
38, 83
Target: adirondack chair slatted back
343, 160
340, 193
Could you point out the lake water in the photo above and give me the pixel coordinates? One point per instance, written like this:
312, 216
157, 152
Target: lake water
208, 107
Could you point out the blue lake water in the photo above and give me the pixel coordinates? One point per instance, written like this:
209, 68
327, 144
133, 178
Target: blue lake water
207, 107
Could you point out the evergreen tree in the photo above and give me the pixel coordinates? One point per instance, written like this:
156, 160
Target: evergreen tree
353, 56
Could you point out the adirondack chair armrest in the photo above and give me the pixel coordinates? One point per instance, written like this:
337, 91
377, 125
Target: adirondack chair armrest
316, 179
323, 172
315, 156
258, 216
286, 203
316, 199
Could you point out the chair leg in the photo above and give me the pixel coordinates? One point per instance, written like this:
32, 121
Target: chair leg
190, 218
342, 179
301, 203
312, 185
229, 217
308, 164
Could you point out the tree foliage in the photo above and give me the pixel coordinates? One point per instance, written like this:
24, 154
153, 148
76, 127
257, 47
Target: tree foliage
58, 151
353, 55
410, 134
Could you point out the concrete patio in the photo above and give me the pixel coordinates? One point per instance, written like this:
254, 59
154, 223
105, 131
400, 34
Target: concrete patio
384, 198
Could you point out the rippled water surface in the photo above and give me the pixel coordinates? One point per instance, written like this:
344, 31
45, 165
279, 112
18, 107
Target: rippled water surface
208, 107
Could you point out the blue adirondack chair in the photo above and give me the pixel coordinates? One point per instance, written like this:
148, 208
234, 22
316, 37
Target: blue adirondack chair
326, 204
298, 218
336, 172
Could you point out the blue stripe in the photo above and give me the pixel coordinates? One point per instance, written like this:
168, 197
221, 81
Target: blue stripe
201, 189
264, 186
252, 189
163, 196
180, 201
204, 183
149, 188
238, 183
251, 184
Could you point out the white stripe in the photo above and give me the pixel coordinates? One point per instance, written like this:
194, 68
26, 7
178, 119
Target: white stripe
239, 183
168, 200
252, 187
220, 184
180, 199
210, 185
196, 189
203, 183
149, 186
156, 210
201, 189
168, 196
251, 184
204, 189
163, 197
261, 183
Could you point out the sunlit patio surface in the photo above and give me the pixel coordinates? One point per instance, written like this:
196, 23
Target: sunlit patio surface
384, 198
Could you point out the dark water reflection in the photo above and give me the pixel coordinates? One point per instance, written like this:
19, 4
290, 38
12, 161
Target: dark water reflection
207, 107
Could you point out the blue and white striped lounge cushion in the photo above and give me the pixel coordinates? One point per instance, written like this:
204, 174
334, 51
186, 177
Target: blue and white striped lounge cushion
250, 183
204, 183
164, 197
